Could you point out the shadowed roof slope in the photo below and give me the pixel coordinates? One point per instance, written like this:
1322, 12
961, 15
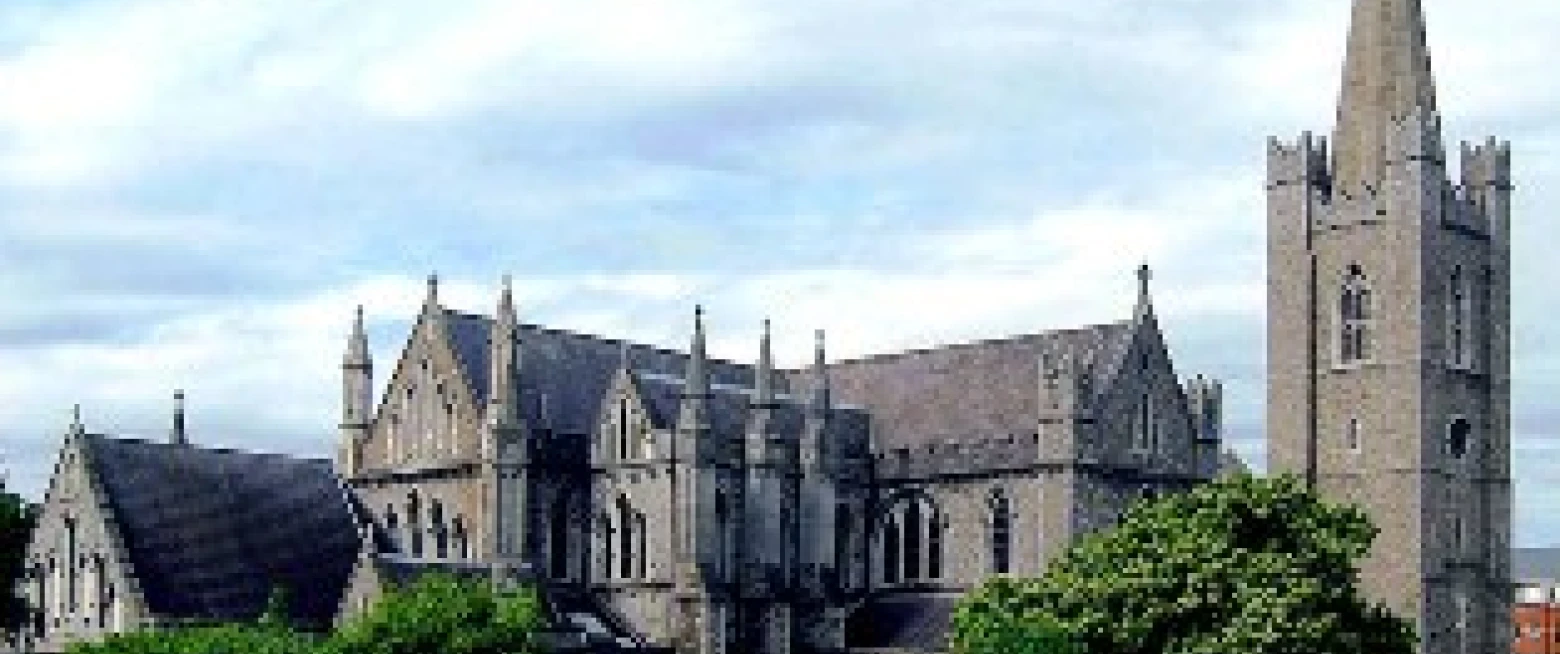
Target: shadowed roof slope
211, 532
973, 390
564, 375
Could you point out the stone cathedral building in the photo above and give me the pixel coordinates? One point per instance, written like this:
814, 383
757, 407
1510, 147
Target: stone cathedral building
711, 506
668, 501
1389, 362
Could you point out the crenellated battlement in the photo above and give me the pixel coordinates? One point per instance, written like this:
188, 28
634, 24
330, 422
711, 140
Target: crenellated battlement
1486, 165
1304, 161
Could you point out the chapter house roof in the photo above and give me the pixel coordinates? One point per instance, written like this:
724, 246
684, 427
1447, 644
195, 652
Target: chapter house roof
210, 533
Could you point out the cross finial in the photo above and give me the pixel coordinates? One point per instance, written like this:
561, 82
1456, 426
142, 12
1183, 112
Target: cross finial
1143, 275
75, 420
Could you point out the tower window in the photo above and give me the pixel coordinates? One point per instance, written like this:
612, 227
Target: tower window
1457, 435
1459, 311
1354, 318
1352, 435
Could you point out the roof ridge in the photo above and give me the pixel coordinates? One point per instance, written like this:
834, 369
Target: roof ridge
1001, 340
138, 441
559, 331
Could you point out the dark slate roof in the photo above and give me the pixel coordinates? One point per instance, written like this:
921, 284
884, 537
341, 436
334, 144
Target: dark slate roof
212, 532
1535, 563
730, 408
967, 391
565, 374
909, 623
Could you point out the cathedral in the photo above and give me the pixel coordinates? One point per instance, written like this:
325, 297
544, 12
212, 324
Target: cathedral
668, 501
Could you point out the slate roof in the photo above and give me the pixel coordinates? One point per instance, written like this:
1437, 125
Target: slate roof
730, 408
904, 623
211, 532
974, 390
567, 372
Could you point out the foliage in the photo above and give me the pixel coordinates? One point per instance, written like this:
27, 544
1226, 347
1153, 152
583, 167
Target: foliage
1245, 565
442, 614
994, 620
225, 639
16, 524
437, 615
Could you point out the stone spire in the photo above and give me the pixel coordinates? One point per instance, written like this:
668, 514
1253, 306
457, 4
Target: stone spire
698, 380
1145, 304
504, 384
76, 426
1386, 76
357, 343
432, 299
178, 436
820, 375
764, 384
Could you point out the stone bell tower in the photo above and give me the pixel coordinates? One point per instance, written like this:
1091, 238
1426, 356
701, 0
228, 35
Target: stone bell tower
1388, 335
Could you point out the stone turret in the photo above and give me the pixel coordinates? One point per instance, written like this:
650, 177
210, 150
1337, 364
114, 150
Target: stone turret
357, 379
177, 435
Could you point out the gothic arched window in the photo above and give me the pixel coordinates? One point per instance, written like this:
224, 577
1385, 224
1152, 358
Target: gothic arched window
462, 543
1001, 532
101, 590
622, 430
891, 550
625, 520
1354, 318
1459, 311
414, 525
915, 532
70, 565
640, 551
441, 537
934, 538
1457, 435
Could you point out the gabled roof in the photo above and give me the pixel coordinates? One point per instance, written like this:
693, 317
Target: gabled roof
980, 389
210, 533
564, 374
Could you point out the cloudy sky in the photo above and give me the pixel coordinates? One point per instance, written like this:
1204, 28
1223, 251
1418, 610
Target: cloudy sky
195, 193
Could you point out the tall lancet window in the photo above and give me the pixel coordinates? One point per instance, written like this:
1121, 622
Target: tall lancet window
622, 430
1001, 532
625, 520
1354, 318
1459, 312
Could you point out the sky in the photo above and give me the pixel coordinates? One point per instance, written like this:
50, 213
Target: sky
194, 194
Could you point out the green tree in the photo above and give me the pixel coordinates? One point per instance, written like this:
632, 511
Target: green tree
1247, 565
17, 519
995, 619
223, 639
442, 614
